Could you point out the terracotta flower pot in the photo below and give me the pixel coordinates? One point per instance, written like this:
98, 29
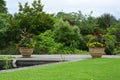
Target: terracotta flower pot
26, 52
96, 52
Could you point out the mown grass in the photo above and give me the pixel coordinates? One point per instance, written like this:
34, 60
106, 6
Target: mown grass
92, 69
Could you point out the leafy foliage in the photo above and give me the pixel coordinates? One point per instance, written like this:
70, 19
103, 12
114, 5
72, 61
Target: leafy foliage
88, 25
4, 18
66, 34
27, 40
110, 41
106, 20
3, 8
33, 18
46, 40
74, 18
114, 30
12, 50
96, 41
62, 33
48, 45
4, 26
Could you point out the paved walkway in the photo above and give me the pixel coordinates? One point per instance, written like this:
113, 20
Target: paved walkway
68, 57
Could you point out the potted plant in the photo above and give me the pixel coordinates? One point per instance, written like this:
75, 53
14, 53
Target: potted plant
96, 45
26, 44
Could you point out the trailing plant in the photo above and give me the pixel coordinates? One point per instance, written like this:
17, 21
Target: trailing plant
7, 61
7, 64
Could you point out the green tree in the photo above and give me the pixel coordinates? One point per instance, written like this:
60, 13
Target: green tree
67, 34
88, 24
74, 18
33, 18
3, 8
115, 30
106, 20
4, 26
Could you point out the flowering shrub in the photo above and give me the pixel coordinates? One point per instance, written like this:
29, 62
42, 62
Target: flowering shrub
96, 40
95, 44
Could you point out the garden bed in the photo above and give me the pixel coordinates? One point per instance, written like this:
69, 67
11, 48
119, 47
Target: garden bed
6, 62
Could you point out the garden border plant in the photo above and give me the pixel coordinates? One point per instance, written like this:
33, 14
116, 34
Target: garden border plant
6, 62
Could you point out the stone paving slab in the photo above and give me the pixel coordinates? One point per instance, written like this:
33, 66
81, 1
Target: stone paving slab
55, 57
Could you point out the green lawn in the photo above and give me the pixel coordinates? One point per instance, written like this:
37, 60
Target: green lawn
92, 69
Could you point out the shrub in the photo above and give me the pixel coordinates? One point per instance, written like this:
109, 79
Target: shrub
48, 45
114, 31
117, 49
68, 50
82, 43
12, 50
110, 41
40, 50
46, 40
67, 34
4, 25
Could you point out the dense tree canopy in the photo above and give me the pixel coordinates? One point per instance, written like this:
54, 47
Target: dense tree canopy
106, 20
33, 18
3, 8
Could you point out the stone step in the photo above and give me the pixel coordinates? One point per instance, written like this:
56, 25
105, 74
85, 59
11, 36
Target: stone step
23, 62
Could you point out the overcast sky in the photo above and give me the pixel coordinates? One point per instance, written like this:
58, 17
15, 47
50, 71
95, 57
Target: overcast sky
85, 6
